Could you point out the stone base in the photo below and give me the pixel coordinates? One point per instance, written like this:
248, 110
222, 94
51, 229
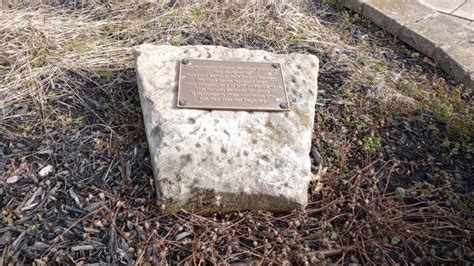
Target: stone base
220, 161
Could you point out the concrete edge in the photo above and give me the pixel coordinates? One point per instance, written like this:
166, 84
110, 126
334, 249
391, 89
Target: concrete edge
453, 53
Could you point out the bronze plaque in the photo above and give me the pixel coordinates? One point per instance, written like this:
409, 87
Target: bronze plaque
231, 85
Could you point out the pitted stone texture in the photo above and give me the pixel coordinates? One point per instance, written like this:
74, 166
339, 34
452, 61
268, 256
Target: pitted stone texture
208, 161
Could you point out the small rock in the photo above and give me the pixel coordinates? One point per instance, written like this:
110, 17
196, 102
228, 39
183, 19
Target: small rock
23, 110
74, 196
183, 235
429, 61
13, 179
318, 159
7, 110
45, 171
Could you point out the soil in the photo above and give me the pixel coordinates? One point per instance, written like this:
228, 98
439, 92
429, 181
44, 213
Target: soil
392, 144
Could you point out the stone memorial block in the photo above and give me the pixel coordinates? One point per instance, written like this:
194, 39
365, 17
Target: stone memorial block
209, 160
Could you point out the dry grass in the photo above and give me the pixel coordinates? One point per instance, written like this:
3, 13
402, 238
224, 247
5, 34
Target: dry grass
393, 134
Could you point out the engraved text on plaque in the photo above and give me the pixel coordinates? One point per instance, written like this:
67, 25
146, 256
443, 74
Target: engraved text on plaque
231, 85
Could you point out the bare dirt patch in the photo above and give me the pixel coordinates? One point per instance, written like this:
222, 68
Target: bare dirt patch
392, 142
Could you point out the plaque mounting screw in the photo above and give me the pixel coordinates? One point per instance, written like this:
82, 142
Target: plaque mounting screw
182, 102
283, 105
185, 61
275, 65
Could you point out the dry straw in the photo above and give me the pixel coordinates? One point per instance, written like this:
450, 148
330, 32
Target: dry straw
391, 151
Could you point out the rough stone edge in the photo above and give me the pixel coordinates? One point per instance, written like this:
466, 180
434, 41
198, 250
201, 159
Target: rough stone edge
444, 59
206, 204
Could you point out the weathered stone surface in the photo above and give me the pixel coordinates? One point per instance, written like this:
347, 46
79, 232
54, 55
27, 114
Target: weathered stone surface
447, 38
207, 161
446, 6
457, 59
392, 16
428, 33
466, 10
469, 82
355, 5
463, 21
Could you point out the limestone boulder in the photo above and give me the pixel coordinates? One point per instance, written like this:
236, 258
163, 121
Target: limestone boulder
208, 161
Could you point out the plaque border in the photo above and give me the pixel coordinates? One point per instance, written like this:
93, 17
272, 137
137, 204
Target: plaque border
231, 108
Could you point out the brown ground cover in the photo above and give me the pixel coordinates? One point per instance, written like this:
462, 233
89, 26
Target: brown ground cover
392, 142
